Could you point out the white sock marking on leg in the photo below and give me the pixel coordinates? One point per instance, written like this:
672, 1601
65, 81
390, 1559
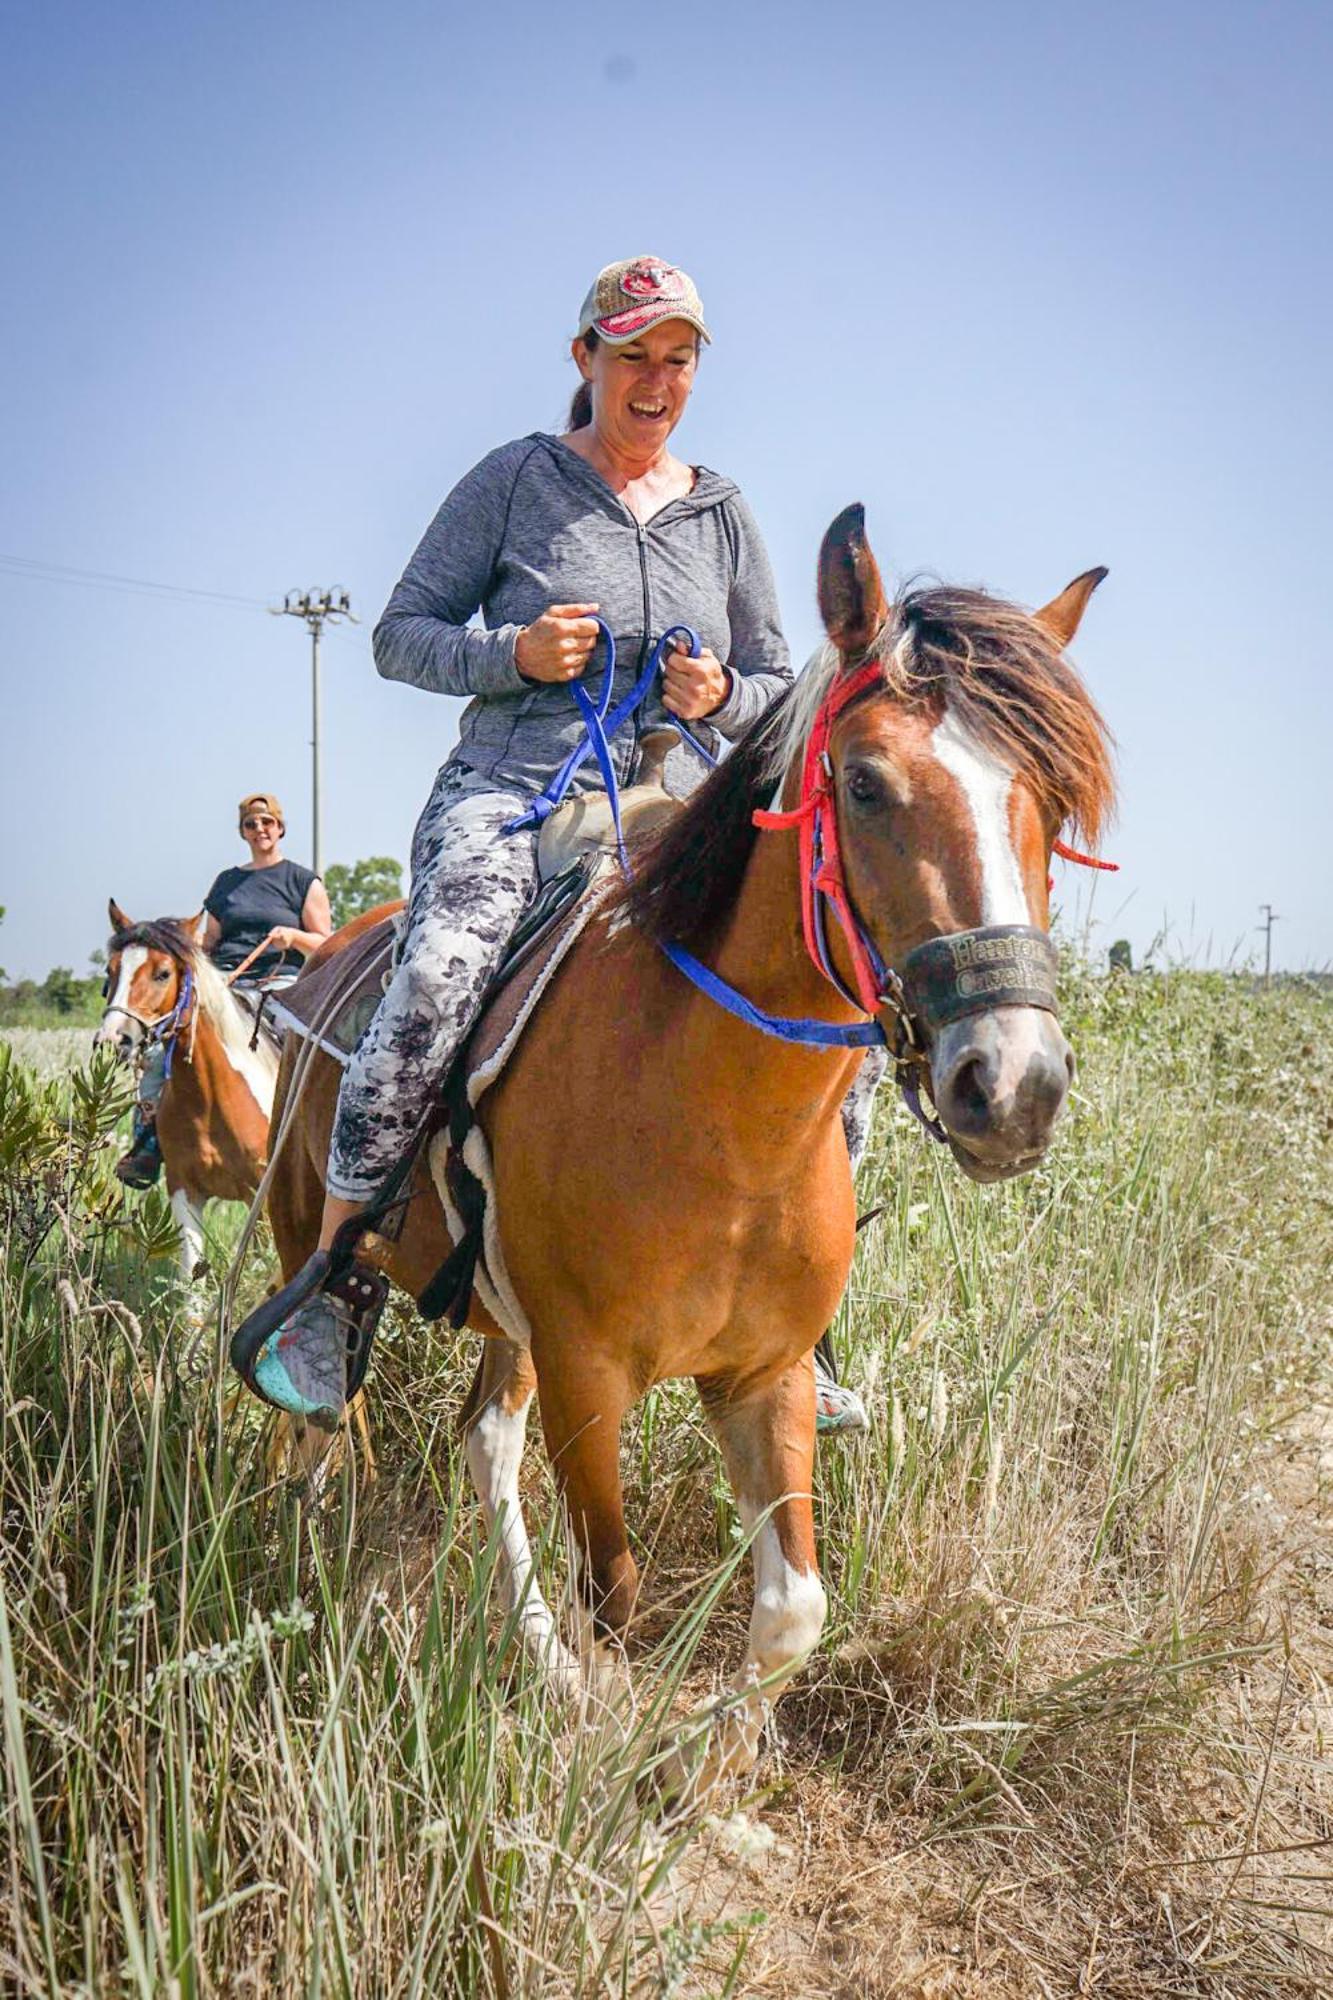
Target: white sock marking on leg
494, 1453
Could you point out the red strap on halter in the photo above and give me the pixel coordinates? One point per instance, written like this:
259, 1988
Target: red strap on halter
821, 858
1084, 860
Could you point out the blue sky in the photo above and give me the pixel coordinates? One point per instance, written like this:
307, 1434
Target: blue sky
1044, 285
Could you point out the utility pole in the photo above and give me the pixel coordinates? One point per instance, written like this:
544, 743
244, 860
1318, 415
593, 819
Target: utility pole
1270, 917
318, 608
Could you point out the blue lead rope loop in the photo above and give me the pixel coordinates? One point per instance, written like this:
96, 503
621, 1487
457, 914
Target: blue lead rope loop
600, 723
815, 1034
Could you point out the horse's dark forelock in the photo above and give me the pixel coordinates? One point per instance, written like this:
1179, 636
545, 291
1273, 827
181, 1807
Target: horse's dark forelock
158, 934
1006, 679
1003, 676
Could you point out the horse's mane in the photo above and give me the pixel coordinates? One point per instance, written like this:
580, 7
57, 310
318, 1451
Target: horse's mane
997, 669
166, 934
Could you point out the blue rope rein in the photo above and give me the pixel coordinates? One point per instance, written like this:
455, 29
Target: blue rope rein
600, 723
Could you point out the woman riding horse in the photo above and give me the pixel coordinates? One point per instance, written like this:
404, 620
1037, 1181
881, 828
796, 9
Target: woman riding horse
542, 536
267, 915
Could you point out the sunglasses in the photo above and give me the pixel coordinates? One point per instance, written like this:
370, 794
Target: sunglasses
253, 825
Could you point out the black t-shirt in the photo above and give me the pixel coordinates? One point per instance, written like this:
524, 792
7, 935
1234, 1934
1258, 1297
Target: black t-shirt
247, 903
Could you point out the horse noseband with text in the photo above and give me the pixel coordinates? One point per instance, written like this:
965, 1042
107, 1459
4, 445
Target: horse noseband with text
968, 972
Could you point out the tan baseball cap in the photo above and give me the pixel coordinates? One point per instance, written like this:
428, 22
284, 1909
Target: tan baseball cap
627, 298
261, 802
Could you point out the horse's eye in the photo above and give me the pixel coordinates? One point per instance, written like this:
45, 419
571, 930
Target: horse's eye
864, 787
162, 975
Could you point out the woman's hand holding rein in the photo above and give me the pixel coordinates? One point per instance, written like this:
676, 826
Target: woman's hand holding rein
693, 687
559, 645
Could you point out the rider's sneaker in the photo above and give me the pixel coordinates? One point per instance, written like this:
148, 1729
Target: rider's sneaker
140, 1167
306, 1349
837, 1408
302, 1366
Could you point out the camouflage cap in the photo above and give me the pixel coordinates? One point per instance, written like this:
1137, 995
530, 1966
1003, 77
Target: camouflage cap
627, 298
261, 802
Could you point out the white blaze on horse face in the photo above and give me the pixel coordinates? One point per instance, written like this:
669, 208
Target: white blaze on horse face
116, 1023
986, 784
1015, 1035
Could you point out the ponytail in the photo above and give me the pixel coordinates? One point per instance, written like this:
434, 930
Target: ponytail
580, 409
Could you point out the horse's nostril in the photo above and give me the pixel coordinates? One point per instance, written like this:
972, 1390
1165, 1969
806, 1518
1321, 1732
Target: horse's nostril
968, 1091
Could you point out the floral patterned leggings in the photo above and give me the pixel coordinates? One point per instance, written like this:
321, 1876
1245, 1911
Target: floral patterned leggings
471, 882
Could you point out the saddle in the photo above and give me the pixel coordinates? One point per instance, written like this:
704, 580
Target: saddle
332, 1003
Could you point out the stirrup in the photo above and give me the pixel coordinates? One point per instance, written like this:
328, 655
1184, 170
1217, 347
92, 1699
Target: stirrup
140, 1168
359, 1291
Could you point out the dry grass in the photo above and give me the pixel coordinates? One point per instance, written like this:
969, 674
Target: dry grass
1069, 1729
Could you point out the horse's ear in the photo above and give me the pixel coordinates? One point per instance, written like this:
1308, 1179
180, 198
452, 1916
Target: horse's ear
119, 920
195, 926
852, 603
1063, 615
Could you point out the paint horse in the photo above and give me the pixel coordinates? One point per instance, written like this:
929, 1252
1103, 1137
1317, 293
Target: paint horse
212, 1119
694, 1216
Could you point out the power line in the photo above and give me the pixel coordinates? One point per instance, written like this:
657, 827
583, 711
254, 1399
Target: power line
98, 579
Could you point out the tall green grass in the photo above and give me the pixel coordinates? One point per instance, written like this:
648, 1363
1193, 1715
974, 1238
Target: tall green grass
255, 1742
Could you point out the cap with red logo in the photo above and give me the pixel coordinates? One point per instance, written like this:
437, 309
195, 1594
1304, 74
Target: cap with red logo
625, 299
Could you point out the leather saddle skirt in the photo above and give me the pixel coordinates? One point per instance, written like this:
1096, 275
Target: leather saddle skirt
333, 1000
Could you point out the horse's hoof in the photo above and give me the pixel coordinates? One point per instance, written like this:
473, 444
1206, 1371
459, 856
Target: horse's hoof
704, 1757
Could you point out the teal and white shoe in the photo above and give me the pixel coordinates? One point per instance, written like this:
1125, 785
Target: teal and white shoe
305, 1350
837, 1408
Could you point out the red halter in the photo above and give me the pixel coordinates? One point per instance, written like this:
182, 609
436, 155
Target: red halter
821, 857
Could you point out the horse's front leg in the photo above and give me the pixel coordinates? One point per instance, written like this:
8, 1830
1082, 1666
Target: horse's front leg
582, 1405
768, 1442
495, 1421
188, 1210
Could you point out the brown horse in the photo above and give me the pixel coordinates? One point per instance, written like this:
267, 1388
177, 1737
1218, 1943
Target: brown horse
673, 1189
212, 1119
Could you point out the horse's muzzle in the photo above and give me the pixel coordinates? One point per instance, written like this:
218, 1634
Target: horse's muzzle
1000, 1080
119, 1034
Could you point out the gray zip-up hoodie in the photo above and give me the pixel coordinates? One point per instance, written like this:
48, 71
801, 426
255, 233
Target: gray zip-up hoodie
533, 525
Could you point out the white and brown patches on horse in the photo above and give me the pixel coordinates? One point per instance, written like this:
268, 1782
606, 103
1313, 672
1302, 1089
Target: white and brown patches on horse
141, 960
258, 1066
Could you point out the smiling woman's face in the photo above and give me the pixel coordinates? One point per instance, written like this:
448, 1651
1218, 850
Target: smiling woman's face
640, 388
262, 834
